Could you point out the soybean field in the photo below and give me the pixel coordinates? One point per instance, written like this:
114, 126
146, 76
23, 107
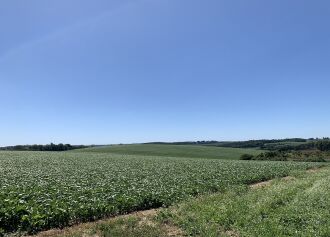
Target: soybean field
188, 151
44, 190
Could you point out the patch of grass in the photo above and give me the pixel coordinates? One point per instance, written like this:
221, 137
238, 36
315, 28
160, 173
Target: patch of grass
130, 227
188, 151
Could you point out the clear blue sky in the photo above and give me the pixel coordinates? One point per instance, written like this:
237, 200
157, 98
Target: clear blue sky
104, 71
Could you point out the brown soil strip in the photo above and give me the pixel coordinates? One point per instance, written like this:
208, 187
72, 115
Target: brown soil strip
260, 184
232, 233
314, 170
145, 219
287, 178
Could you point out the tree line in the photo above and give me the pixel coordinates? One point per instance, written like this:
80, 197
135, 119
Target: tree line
321, 145
48, 147
317, 151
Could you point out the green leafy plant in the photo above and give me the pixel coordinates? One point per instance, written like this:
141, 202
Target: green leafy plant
43, 190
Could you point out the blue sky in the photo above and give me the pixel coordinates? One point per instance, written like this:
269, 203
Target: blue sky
104, 71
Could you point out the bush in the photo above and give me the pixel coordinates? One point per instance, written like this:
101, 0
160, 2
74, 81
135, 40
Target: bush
273, 156
313, 159
323, 145
247, 157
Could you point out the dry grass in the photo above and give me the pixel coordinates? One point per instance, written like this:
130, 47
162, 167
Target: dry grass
144, 219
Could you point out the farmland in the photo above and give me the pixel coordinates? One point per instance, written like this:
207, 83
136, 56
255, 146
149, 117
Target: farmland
294, 206
188, 151
297, 205
43, 190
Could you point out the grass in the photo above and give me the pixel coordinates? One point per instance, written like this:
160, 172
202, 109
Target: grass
43, 190
191, 151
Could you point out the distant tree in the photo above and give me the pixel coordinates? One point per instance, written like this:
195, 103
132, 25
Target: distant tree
60, 147
48, 147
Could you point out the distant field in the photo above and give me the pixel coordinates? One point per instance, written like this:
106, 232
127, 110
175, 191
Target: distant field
43, 190
188, 151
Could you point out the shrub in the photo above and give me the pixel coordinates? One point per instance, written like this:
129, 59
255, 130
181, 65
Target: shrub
273, 156
247, 157
313, 159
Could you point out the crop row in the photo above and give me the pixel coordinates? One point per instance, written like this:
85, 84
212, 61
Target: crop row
45, 190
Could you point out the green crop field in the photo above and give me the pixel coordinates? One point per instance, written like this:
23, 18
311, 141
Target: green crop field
175, 151
43, 190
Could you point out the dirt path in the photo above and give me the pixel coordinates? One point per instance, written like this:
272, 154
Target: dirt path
144, 219
286, 178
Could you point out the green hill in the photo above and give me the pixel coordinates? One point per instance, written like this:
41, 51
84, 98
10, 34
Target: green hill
207, 152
